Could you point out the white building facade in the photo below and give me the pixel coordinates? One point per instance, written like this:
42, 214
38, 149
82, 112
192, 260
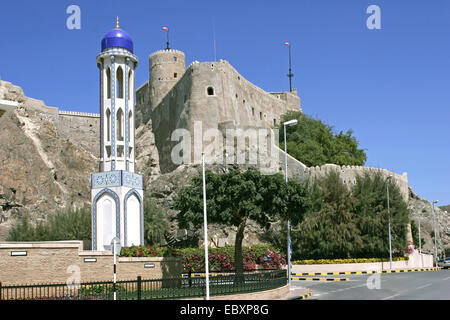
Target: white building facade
117, 192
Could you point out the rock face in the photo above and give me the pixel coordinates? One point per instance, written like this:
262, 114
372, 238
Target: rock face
422, 210
43, 168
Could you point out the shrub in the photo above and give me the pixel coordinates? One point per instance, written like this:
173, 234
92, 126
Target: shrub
342, 261
220, 259
147, 251
72, 224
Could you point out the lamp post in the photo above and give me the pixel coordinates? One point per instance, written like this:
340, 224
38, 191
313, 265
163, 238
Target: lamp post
285, 124
446, 224
420, 247
389, 221
435, 235
205, 227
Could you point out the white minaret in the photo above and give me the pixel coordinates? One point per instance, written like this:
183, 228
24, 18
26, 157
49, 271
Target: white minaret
117, 192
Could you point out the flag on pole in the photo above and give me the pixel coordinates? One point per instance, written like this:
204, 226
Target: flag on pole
288, 44
165, 28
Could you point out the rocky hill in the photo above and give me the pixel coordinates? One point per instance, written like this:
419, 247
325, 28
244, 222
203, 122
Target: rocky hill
46, 159
43, 167
422, 210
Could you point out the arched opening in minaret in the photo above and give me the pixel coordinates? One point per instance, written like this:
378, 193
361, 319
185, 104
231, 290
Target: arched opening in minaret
210, 91
119, 89
130, 115
108, 83
120, 125
106, 214
133, 216
108, 125
130, 87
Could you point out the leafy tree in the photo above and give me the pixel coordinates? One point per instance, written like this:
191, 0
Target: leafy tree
314, 143
236, 197
156, 223
371, 212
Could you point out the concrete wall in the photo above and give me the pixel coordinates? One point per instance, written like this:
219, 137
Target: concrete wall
416, 261
49, 262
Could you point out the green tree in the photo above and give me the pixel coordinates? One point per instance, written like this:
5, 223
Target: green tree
236, 197
314, 143
329, 231
156, 223
371, 213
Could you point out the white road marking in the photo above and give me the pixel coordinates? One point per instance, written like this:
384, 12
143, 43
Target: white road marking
421, 287
390, 297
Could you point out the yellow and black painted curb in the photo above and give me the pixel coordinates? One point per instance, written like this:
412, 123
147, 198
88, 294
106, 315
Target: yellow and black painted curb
320, 279
364, 272
305, 296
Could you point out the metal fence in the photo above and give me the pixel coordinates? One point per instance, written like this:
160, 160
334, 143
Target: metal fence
140, 289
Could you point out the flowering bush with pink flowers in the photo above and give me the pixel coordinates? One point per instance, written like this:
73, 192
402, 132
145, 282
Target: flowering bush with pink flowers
220, 259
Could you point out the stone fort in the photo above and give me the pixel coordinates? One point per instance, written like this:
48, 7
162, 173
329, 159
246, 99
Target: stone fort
215, 94
175, 97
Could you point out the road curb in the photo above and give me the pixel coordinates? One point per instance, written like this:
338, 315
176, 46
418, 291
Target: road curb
364, 272
305, 296
320, 279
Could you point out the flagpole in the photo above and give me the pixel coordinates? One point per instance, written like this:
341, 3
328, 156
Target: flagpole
168, 48
290, 75
167, 43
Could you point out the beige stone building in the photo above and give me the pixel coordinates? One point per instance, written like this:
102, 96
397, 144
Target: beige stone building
211, 94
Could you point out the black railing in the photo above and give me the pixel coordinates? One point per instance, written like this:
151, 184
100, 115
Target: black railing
141, 289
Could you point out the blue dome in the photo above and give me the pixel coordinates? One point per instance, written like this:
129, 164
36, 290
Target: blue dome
117, 38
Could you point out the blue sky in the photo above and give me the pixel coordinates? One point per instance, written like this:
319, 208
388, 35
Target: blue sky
390, 86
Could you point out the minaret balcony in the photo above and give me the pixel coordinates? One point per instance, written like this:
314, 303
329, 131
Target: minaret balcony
117, 178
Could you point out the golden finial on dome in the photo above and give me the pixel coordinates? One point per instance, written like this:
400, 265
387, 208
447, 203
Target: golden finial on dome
117, 23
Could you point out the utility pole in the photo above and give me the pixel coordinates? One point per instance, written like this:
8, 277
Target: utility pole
289, 246
435, 235
420, 246
389, 221
205, 227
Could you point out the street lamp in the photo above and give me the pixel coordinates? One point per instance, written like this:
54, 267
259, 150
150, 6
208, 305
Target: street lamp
285, 124
389, 220
434, 222
420, 246
205, 227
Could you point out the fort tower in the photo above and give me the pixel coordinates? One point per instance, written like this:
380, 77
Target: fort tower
166, 68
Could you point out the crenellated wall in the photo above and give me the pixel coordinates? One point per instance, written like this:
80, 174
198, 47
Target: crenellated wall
348, 174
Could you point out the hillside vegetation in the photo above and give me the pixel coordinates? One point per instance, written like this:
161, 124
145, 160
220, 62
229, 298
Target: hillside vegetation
314, 143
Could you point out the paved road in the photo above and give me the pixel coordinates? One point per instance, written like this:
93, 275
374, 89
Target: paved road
430, 285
